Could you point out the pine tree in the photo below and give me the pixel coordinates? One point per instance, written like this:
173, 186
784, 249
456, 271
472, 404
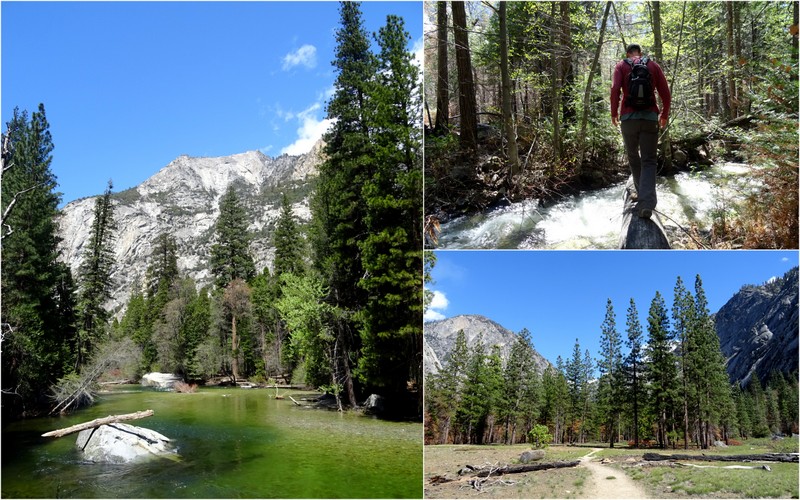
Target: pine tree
634, 368
230, 255
575, 375
163, 268
337, 205
391, 332
288, 242
682, 313
443, 391
517, 378
712, 385
661, 371
610, 367
37, 296
95, 279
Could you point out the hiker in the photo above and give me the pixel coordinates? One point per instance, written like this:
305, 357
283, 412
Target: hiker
637, 77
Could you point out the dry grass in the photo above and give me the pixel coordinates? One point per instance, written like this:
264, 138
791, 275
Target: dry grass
445, 461
185, 388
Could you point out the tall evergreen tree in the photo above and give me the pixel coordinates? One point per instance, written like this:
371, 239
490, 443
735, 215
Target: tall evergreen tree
610, 367
163, 268
682, 312
230, 254
443, 391
576, 381
337, 205
712, 386
517, 380
94, 276
661, 371
37, 296
391, 332
633, 372
288, 242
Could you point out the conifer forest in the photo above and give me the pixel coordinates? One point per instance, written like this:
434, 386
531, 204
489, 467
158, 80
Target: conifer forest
662, 384
517, 105
339, 310
283, 319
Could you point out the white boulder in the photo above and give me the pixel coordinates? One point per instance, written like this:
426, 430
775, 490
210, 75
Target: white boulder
160, 380
122, 443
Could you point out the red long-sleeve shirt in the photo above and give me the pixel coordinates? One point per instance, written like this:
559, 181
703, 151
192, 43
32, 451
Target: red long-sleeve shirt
619, 87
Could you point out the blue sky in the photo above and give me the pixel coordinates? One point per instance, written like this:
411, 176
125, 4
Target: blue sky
561, 295
130, 86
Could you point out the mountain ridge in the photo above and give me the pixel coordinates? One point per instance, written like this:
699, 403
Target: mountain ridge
182, 198
439, 338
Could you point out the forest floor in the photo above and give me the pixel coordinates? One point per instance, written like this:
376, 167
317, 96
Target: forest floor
603, 473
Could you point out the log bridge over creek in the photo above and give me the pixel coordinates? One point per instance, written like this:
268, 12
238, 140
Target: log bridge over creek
639, 233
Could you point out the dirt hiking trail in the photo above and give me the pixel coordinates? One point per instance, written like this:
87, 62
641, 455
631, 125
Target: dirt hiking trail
608, 482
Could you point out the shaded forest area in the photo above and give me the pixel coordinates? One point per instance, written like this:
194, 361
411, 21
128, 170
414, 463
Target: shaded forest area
662, 384
517, 103
340, 310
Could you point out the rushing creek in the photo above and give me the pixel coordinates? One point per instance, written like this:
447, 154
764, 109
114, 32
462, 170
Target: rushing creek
592, 219
231, 443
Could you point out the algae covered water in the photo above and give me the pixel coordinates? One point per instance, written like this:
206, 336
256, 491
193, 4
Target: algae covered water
232, 443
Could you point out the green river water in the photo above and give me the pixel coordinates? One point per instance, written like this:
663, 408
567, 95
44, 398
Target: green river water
232, 443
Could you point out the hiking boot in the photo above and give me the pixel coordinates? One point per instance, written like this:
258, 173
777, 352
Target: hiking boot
645, 213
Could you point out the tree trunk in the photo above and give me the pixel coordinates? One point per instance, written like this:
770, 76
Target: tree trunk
442, 83
567, 73
515, 469
664, 146
734, 106
466, 84
587, 92
508, 117
111, 419
234, 350
555, 72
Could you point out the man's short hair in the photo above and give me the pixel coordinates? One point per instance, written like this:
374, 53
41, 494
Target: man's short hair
633, 48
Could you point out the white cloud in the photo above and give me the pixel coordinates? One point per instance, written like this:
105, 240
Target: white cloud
438, 305
311, 130
304, 56
785, 259
439, 300
432, 316
418, 50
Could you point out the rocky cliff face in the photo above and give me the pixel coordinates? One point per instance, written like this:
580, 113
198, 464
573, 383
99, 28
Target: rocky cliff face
183, 199
440, 336
758, 329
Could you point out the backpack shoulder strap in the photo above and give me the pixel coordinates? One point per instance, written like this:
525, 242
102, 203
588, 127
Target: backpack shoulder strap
644, 60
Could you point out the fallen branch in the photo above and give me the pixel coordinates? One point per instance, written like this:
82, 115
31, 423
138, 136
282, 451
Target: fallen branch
295, 401
757, 467
111, 419
765, 457
515, 469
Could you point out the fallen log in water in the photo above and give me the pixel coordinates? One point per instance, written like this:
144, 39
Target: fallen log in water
639, 233
764, 457
111, 419
514, 469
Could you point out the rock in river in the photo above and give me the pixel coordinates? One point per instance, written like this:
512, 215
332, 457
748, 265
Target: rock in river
160, 380
122, 443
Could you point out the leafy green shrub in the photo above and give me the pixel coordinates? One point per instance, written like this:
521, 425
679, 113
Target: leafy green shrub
540, 437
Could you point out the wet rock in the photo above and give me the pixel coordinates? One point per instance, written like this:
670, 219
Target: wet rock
122, 443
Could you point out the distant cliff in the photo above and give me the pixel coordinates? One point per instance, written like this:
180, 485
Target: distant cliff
183, 200
440, 337
758, 329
